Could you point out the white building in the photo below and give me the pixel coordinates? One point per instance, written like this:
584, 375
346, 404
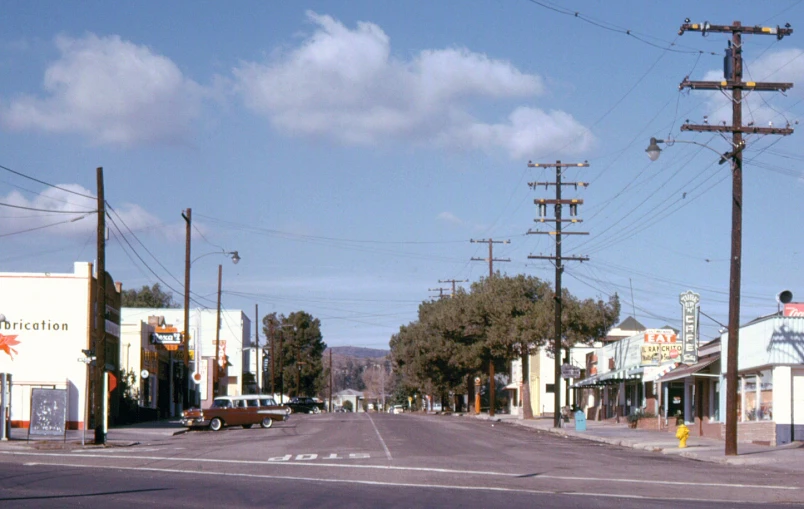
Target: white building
49, 321
542, 381
154, 347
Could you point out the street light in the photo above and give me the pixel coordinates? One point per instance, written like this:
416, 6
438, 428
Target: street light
187, 215
654, 151
732, 345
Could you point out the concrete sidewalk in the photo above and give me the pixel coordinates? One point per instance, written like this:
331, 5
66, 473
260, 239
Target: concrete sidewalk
789, 457
117, 436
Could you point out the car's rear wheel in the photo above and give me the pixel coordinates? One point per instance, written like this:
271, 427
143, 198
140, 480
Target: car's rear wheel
216, 424
247, 426
267, 422
316, 410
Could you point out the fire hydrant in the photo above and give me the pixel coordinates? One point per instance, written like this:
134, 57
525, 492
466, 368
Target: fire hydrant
682, 434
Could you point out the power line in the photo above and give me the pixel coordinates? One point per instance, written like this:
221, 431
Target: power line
46, 183
42, 227
48, 210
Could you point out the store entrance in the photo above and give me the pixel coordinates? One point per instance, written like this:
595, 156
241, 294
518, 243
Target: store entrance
675, 400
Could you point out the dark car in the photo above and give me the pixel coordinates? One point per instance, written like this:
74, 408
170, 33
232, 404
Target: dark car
305, 405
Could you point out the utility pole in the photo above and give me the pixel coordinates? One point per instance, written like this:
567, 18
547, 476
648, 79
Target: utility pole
257, 349
218, 335
453, 281
491, 258
100, 320
185, 380
491, 261
330, 380
733, 80
439, 290
558, 203
273, 377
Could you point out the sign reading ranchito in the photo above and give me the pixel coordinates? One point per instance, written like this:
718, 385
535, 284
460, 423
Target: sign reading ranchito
661, 345
689, 320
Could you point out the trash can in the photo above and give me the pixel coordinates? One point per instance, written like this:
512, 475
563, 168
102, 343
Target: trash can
580, 421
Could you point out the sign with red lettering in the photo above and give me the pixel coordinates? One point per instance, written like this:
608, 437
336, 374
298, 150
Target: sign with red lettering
794, 309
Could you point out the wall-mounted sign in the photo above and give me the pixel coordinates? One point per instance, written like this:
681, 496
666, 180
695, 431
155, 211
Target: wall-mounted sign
659, 353
690, 304
166, 337
794, 309
660, 336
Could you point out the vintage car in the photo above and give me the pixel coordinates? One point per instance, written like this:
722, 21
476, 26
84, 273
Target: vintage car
245, 411
304, 405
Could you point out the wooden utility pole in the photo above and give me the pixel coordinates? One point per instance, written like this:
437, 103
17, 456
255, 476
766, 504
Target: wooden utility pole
273, 362
491, 258
185, 381
558, 258
218, 335
257, 349
330, 380
733, 80
439, 290
491, 261
453, 281
100, 319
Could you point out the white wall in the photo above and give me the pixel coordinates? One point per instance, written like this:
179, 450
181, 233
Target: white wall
48, 316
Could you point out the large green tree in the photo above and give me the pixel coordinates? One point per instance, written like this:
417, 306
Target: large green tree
298, 350
500, 319
148, 297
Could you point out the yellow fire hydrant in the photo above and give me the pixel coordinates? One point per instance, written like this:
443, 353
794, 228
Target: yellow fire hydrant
682, 434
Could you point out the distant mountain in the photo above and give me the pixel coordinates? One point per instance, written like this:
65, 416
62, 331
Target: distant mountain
358, 352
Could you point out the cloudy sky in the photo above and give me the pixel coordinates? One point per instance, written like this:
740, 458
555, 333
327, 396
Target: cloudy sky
350, 151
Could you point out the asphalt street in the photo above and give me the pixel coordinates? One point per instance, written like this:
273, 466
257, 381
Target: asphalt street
361, 460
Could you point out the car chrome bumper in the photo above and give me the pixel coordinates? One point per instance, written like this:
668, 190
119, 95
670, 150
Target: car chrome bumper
194, 422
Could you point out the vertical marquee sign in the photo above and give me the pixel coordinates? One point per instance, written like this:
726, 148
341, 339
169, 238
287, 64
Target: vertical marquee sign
689, 319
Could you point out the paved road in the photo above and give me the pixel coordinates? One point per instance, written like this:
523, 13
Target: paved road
357, 460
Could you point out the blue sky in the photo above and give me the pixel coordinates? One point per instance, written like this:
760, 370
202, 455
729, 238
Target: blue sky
350, 150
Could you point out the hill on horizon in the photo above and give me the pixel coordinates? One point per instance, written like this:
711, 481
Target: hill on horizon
358, 352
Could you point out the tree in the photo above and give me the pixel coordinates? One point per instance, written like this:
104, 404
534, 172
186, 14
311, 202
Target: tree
500, 319
148, 297
299, 350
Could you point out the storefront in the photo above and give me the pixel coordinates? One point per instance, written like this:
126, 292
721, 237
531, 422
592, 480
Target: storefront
48, 328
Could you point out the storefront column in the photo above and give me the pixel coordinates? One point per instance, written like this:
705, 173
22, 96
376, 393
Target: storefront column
742, 399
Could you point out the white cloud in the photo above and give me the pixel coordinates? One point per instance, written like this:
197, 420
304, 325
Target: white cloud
345, 85
110, 90
58, 222
452, 219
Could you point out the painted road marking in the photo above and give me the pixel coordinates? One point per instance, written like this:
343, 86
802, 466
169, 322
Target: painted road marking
405, 485
387, 452
406, 469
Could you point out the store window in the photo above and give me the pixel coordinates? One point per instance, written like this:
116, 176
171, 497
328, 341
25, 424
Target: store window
756, 394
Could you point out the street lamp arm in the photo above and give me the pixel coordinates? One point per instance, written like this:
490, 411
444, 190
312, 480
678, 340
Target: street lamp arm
233, 254
654, 151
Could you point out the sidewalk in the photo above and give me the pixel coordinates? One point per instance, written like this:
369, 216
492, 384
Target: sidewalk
118, 436
789, 457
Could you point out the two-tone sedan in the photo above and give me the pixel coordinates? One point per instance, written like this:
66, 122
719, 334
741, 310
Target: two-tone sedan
244, 411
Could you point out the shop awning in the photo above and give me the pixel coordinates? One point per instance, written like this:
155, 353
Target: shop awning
685, 371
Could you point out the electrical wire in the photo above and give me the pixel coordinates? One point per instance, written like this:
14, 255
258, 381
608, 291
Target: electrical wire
48, 210
42, 227
45, 183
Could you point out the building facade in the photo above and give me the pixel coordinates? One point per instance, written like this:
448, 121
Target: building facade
49, 327
155, 334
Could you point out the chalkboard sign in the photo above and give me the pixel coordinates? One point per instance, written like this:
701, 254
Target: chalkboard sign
48, 412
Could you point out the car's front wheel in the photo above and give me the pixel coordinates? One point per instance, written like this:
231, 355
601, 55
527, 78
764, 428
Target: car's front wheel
267, 422
316, 410
216, 424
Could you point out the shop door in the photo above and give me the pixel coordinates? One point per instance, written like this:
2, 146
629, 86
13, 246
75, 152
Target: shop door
675, 401
798, 406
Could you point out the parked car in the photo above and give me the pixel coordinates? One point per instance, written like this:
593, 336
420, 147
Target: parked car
397, 409
305, 405
243, 411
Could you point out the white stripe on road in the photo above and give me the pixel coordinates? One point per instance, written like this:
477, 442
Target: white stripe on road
403, 485
398, 468
387, 452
